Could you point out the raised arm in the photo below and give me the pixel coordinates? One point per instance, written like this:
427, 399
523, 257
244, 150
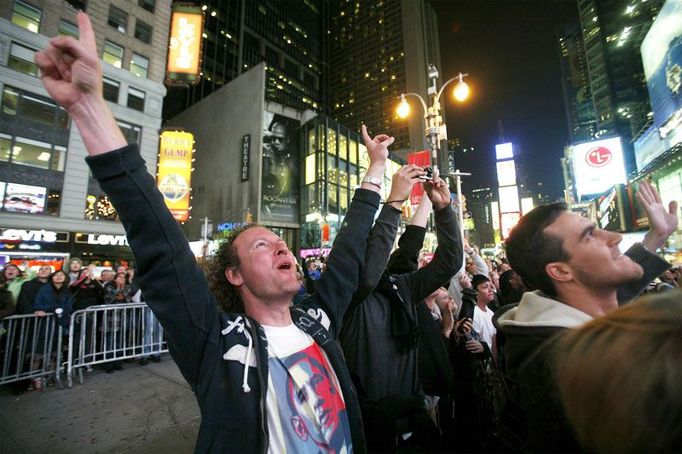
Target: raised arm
173, 284
382, 236
662, 223
340, 280
446, 261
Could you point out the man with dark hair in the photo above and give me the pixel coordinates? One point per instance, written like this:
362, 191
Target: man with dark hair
381, 332
244, 367
579, 273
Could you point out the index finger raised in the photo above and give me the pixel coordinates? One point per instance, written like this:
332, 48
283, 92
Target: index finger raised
85, 32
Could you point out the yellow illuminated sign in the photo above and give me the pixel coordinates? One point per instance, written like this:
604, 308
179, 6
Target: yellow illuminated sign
175, 171
184, 48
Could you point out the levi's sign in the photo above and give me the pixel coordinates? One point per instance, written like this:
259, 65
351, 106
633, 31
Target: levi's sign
38, 236
102, 239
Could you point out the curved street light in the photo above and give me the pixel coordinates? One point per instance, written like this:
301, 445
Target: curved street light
433, 119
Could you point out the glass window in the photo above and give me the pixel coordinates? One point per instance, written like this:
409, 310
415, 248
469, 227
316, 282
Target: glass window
33, 107
136, 99
113, 54
311, 141
143, 31
139, 65
118, 19
132, 133
21, 59
31, 153
26, 16
110, 89
310, 169
147, 4
5, 147
68, 29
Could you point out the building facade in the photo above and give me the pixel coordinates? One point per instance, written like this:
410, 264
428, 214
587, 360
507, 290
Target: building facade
49, 201
377, 51
613, 32
289, 35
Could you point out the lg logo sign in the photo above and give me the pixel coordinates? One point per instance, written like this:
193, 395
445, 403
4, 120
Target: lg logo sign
598, 157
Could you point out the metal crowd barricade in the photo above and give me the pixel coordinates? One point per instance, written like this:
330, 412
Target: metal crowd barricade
113, 332
30, 348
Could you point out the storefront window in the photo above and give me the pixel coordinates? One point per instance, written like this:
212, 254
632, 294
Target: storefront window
29, 199
99, 208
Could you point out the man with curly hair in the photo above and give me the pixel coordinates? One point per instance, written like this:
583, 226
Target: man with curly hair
268, 375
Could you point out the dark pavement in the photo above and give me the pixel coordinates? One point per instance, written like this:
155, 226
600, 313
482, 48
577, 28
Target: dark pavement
146, 409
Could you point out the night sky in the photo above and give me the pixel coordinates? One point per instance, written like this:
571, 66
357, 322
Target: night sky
510, 50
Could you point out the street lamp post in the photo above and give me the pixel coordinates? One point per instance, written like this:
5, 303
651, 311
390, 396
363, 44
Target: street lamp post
434, 128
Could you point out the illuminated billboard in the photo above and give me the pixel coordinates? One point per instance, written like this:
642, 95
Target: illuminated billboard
22, 198
504, 151
495, 213
507, 222
598, 165
183, 66
174, 174
662, 61
506, 173
526, 205
279, 180
509, 199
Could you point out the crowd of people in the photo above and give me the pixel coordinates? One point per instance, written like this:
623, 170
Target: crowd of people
529, 353
44, 292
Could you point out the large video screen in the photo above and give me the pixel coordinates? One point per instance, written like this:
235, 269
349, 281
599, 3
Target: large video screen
662, 60
22, 198
598, 165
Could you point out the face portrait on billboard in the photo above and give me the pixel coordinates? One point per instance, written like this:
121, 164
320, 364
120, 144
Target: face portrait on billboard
280, 167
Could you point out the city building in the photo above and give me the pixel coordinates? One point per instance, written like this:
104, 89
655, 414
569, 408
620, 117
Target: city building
575, 81
377, 51
293, 171
479, 210
613, 32
49, 203
289, 35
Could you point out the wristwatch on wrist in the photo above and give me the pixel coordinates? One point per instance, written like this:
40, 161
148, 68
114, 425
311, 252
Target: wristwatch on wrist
373, 181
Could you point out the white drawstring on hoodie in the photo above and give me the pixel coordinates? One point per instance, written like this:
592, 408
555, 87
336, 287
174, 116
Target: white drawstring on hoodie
238, 323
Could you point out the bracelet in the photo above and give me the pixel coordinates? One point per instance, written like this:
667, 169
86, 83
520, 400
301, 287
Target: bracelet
392, 201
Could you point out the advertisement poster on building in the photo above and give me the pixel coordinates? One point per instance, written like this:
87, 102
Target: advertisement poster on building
174, 178
279, 184
662, 61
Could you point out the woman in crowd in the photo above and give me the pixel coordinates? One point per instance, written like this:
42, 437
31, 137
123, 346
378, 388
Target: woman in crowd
620, 377
52, 298
117, 291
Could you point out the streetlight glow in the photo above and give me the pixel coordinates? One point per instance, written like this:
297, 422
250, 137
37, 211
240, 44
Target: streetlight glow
461, 91
403, 108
